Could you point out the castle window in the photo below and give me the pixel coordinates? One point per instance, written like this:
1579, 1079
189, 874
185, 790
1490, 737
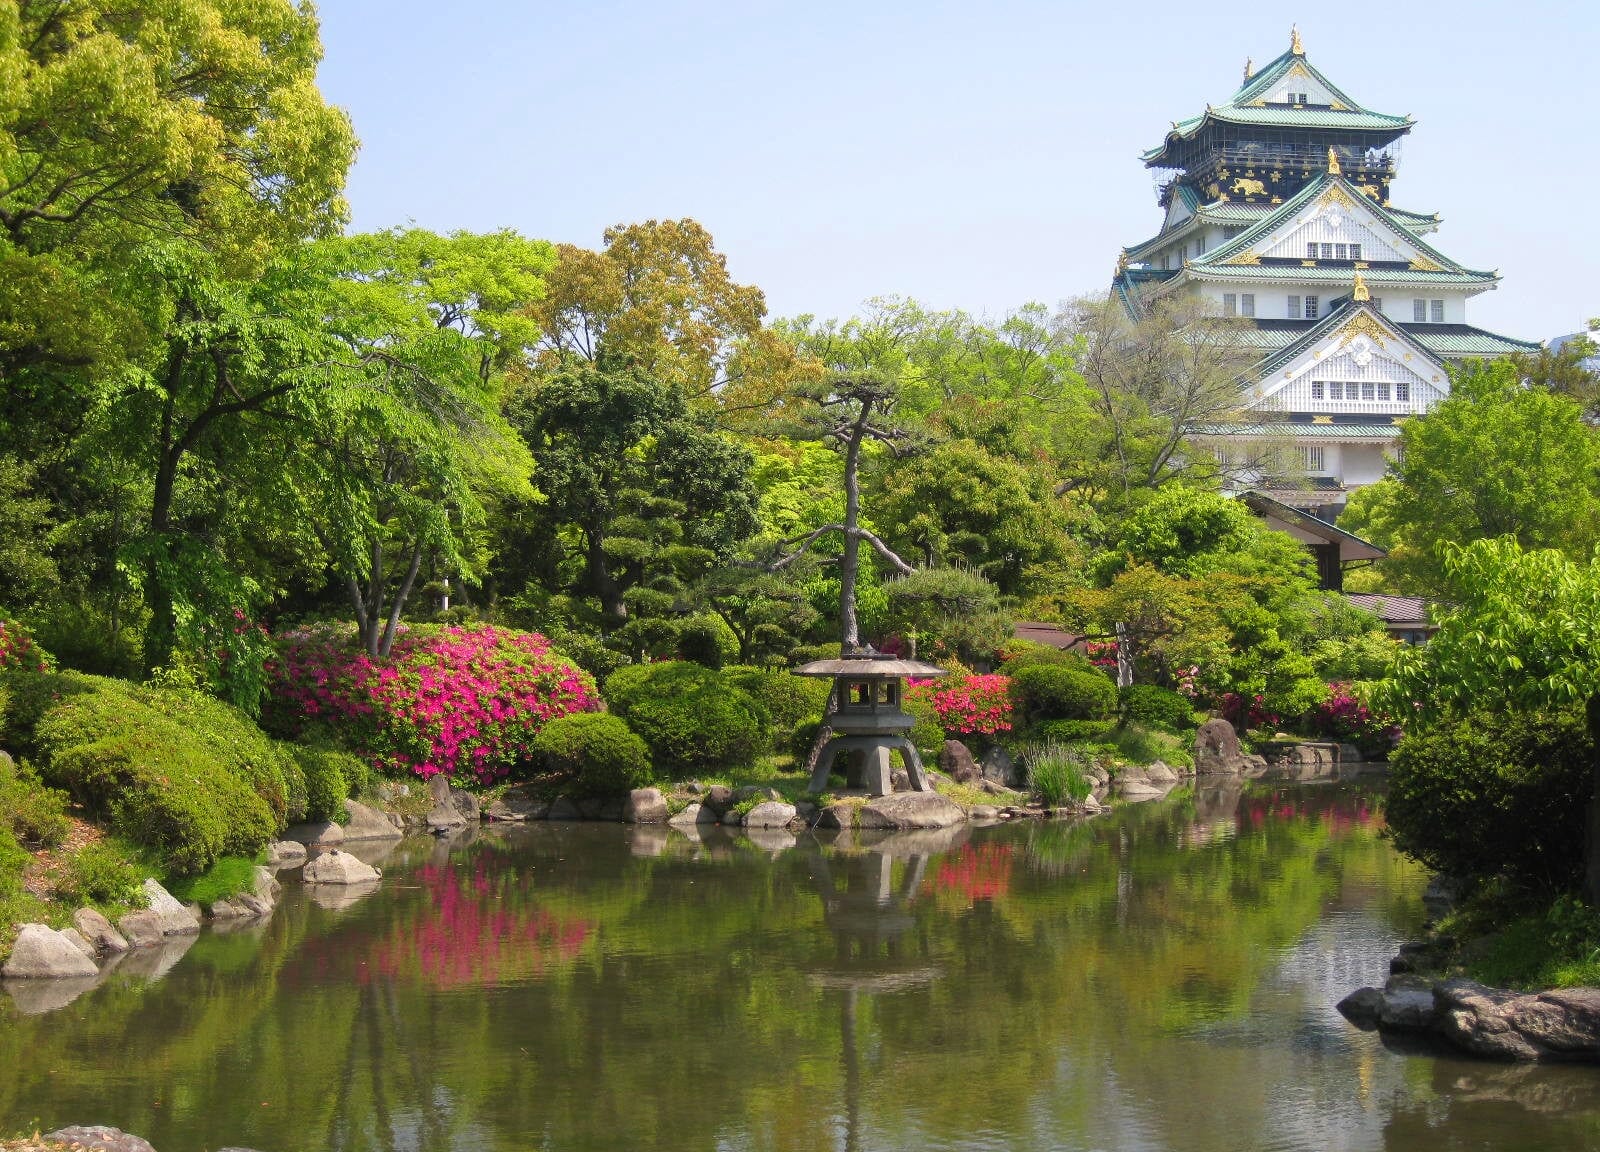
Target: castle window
1383, 390
1311, 307
1402, 393
1368, 391
1313, 457
1316, 389
1335, 390
1247, 304
1327, 251
1294, 307
1436, 311
1340, 251
1230, 304
1311, 251
1355, 251
1419, 311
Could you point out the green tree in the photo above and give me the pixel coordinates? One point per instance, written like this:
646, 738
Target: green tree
1521, 632
1495, 459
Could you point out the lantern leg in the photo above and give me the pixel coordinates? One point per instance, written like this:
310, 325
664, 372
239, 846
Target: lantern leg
879, 771
824, 761
918, 778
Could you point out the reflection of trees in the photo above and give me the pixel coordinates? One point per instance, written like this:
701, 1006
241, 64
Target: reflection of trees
1000, 977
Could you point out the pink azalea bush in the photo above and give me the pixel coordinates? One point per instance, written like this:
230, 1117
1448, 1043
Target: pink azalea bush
967, 703
462, 701
1343, 717
18, 651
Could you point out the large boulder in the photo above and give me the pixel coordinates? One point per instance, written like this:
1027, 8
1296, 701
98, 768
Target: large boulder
338, 868
956, 762
97, 930
176, 919
286, 854
1216, 749
141, 929
901, 810
997, 765
1160, 773
98, 1138
695, 813
445, 818
42, 953
719, 798
1563, 1024
645, 806
322, 833
368, 823
770, 814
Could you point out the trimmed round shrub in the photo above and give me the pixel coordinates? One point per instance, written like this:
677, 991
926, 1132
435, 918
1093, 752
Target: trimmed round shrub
692, 719
98, 873
1060, 692
1502, 795
597, 751
1156, 706
464, 702
700, 641
331, 777
1016, 654
788, 700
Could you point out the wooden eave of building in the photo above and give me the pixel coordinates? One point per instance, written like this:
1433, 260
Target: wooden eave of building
1309, 529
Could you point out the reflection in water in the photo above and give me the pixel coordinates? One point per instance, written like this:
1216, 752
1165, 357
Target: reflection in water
1159, 978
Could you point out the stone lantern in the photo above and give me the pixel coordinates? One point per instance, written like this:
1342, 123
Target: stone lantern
865, 717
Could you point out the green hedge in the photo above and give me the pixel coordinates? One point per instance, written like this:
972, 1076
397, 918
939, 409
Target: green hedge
1061, 692
1495, 796
1158, 707
330, 777
691, 718
1072, 731
182, 774
597, 751
789, 701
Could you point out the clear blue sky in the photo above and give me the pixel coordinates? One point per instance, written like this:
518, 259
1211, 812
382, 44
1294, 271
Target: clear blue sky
970, 155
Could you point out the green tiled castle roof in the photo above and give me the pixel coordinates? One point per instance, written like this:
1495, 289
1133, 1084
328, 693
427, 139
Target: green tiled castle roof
1242, 109
1446, 341
1313, 431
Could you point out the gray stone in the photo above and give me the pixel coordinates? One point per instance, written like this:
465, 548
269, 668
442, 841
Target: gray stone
75, 938
997, 765
1216, 749
325, 832
439, 789
98, 1138
806, 811
983, 812
1160, 773
769, 814
1135, 791
368, 823
910, 810
756, 792
467, 804
338, 868
142, 929
524, 804
286, 854
719, 798
1350, 754
97, 930
1090, 805
645, 806
695, 813
1407, 1004
228, 909
1132, 774
499, 812
42, 953
899, 780
391, 790
837, 816
176, 919
445, 818
1562, 1024
1362, 1007
1097, 773
956, 762
564, 809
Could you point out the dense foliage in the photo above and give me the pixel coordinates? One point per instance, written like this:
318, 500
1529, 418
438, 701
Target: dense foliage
595, 751
693, 720
1062, 692
461, 701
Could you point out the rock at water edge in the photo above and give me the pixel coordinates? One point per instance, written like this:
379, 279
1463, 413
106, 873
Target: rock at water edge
176, 919
325, 832
142, 929
1216, 749
285, 854
338, 868
368, 824
98, 1138
645, 806
956, 762
97, 930
769, 814
42, 953
901, 810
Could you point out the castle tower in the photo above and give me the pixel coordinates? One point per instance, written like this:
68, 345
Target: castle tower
1277, 213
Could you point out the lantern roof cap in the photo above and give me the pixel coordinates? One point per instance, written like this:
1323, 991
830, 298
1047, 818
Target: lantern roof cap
869, 665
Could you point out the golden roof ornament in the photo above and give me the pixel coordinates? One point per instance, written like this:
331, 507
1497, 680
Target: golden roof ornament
1122, 262
1248, 65
1358, 291
1333, 162
1295, 45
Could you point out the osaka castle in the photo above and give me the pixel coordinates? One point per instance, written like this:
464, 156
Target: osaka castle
1278, 213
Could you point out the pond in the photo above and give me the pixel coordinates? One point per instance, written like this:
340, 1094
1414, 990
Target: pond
1161, 977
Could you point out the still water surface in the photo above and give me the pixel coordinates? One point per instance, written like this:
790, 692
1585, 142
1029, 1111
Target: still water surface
1158, 978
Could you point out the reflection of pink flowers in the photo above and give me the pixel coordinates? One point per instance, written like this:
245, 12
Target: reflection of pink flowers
460, 701
473, 933
981, 873
968, 704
